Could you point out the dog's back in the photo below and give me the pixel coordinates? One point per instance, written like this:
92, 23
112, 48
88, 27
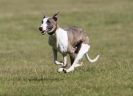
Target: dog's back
76, 35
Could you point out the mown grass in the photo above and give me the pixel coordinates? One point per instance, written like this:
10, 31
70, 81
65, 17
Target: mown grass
26, 67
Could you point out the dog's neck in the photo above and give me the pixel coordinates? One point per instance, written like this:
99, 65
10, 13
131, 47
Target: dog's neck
54, 30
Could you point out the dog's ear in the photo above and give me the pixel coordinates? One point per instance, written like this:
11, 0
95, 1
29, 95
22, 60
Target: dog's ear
55, 16
44, 16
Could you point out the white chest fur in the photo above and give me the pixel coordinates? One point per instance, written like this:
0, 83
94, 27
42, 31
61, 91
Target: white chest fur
62, 40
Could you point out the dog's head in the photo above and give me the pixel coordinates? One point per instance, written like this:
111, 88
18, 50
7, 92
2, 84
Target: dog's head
49, 24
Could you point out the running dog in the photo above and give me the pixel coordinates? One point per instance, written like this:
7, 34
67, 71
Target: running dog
72, 41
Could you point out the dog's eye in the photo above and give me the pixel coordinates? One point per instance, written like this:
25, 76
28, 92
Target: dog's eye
48, 22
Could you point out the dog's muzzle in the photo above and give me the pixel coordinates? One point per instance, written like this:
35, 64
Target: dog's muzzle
42, 32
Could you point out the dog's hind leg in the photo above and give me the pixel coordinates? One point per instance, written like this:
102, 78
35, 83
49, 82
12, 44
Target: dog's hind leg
83, 50
72, 58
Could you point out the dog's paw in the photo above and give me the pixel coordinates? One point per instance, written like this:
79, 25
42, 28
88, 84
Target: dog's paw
68, 70
65, 70
58, 63
60, 70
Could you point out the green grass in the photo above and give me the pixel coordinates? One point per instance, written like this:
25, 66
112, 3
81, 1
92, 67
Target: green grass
26, 67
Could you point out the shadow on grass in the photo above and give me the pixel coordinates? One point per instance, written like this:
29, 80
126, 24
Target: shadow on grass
41, 79
34, 79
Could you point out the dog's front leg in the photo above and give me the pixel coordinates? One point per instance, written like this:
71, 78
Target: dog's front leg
64, 63
64, 60
55, 57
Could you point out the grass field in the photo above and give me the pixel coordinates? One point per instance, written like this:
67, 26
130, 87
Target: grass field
26, 67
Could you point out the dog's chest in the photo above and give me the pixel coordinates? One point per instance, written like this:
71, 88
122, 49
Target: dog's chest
61, 40
52, 41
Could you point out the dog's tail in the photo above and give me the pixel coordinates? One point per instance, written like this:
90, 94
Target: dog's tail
92, 60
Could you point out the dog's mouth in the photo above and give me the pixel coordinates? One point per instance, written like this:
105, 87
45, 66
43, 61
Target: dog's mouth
43, 32
48, 30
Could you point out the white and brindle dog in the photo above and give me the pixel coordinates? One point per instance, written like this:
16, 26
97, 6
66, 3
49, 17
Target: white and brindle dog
72, 41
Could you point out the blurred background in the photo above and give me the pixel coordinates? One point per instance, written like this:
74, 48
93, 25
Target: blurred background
26, 67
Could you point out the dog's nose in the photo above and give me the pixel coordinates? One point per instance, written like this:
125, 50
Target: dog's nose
40, 28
